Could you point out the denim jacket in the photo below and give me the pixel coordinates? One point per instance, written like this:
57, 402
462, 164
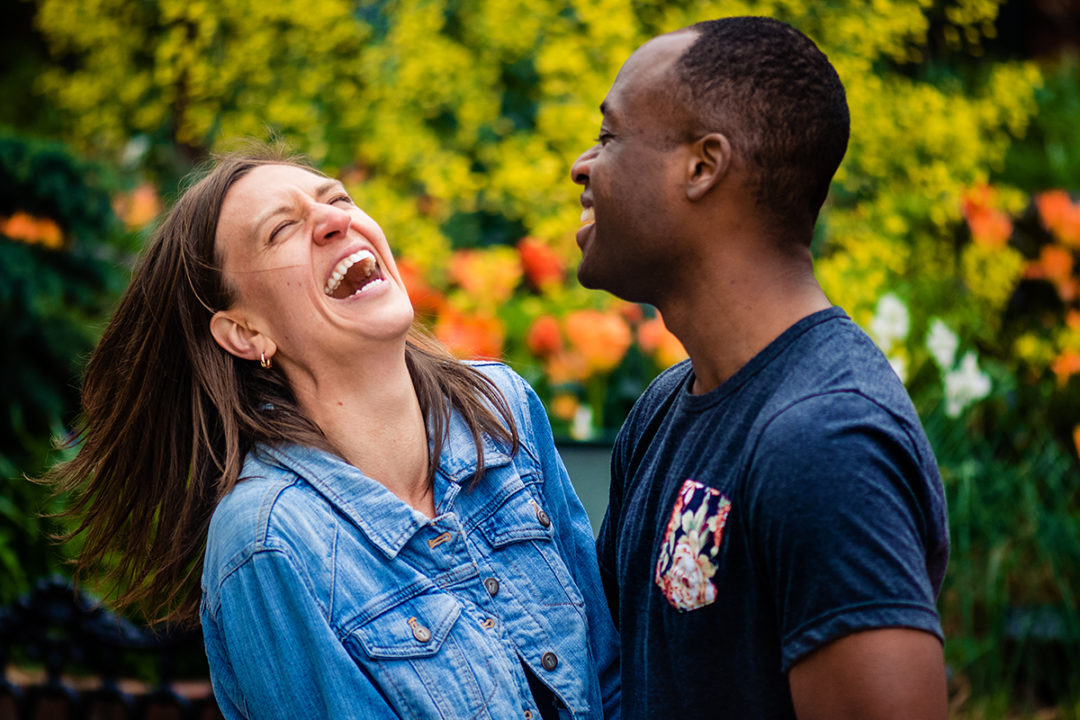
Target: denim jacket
326, 596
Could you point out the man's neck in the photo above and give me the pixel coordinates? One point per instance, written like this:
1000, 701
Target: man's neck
726, 317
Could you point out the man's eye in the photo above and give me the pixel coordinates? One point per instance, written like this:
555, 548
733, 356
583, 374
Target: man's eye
603, 138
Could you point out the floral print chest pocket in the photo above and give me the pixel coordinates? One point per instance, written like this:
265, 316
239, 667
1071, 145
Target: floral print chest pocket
688, 553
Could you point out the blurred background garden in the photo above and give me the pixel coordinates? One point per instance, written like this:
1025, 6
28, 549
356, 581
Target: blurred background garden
952, 233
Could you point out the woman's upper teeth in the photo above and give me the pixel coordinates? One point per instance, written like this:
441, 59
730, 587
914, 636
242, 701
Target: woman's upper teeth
343, 266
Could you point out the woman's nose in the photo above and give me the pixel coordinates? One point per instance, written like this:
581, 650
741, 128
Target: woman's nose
579, 171
332, 224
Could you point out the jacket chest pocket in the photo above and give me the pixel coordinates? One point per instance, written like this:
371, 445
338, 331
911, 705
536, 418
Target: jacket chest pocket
421, 657
524, 551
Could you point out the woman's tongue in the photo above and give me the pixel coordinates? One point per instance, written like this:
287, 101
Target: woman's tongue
359, 275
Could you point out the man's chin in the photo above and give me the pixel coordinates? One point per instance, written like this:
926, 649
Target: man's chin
615, 285
592, 280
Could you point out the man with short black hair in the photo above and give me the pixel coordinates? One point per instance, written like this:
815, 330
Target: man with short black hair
776, 535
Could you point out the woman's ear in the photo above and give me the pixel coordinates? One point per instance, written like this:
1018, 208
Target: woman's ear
709, 163
236, 338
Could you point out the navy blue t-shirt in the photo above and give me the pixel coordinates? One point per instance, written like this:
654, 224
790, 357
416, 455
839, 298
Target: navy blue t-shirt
796, 503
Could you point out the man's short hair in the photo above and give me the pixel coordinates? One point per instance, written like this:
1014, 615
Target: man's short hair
779, 101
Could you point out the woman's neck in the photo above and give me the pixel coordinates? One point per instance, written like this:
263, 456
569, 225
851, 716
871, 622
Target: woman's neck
372, 416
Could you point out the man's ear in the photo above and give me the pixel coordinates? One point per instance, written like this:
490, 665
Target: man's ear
236, 338
709, 162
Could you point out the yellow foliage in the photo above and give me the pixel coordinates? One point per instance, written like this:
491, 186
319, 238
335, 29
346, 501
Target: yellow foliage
991, 274
431, 110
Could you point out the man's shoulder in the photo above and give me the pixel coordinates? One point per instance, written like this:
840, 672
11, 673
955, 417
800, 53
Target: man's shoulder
838, 361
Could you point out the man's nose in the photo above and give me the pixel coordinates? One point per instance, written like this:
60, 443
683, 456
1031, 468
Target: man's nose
332, 224
582, 167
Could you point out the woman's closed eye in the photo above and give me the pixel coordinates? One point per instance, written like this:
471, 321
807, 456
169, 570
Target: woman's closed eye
277, 230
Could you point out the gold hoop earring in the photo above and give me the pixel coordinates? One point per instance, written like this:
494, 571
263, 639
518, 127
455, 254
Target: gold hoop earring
264, 361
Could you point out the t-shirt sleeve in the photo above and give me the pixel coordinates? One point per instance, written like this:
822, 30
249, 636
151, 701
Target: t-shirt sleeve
840, 524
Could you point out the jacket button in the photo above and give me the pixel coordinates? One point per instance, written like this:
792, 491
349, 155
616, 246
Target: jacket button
421, 633
543, 517
549, 661
492, 586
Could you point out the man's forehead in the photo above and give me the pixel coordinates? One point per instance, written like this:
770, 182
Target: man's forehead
648, 67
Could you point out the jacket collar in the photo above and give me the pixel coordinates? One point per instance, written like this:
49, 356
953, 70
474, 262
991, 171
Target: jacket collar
387, 521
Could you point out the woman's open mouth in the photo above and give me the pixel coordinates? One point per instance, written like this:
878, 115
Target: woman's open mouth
354, 274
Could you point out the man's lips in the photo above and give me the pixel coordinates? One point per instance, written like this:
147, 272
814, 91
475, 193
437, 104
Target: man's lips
588, 219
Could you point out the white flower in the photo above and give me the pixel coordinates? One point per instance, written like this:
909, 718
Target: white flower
942, 344
891, 321
965, 385
581, 427
899, 366
134, 151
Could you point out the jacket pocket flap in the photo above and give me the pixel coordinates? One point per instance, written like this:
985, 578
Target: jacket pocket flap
415, 628
520, 518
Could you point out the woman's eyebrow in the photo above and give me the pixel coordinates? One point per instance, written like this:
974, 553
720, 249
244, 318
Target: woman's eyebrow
320, 191
328, 186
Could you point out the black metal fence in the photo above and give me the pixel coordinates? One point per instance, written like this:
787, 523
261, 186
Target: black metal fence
62, 655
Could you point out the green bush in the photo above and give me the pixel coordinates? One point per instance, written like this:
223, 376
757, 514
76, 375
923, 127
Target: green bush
59, 273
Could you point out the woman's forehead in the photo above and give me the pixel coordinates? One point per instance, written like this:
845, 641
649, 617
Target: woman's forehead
266, 179
266, 190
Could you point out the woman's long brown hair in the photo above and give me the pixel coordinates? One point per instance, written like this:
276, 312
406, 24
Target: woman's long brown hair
168, 416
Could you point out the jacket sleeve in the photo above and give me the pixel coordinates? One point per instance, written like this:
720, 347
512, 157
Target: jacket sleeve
273, 654
575, 537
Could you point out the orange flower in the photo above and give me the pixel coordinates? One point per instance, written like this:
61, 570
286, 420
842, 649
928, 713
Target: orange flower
564, 406
32, 230
1060, 216
602, 338
989, 226
540, 263
1076, 439
567, 366
1056, 262
1065, 366
470, 336
655, 339
1072, 319
1053, 207
138, 207
544, 337
487, 275
424, 298
977, 197
631, 312
1056, 265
